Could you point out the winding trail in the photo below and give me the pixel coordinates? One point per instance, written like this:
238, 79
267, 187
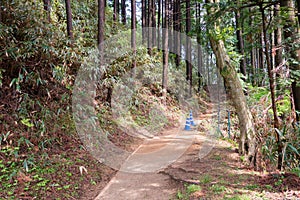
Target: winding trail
143, 177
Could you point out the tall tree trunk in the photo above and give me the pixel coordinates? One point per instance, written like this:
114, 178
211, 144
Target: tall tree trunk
118, 10
116, 14
149, 18
69, 20
170, 20
143, 21
174, 14
272, 86
188, 46
261, 61
165, 54
178, 29
100, 38
227, 70
133, 30
123, 11
240, 43
158, 23
101, 22
47, 8
199, 50
277, 49
153, 10
291, 31
253, 52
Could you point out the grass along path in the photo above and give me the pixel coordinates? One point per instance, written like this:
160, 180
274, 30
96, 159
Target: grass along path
221, 175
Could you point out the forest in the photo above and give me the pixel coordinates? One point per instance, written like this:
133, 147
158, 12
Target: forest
85, 83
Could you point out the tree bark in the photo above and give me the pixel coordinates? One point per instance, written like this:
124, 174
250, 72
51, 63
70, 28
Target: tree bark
240, 43
149, 19
178, 29
277, 49
69, 20
123, 11
101, 22
165, 54
118, 10
143, 21
199, 50
188, 46
133, 30
227, 70
116, 14
252, 53
158, 24
153, 10
261, 67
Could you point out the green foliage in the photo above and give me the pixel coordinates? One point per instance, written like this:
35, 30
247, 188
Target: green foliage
260, 101
188, 191
251, 187
296, 171
218, 188
205, 179
192, 188
238, 197
180, 195
290, 143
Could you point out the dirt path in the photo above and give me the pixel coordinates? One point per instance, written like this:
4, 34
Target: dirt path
209, 169
143, 176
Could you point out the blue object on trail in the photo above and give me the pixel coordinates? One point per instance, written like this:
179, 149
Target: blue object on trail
187, 125
191, 119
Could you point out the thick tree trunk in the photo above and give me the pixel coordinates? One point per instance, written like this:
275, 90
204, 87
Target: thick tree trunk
123, 11
116, 14
69, 20
158, 23
149, 19
174, 24
170, 20
291, 31
118, 9
227, 70
188, 46
153, 15
144, 20
101, 21
178, 29
165, 55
